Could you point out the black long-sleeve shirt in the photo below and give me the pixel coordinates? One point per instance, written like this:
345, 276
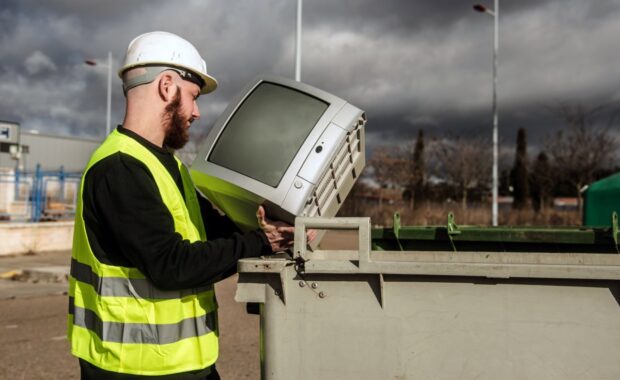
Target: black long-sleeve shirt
128, 224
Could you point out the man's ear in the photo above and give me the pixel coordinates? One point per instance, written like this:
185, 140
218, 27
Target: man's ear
166, 86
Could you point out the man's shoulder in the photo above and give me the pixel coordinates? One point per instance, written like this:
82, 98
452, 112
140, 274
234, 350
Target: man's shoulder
118, 163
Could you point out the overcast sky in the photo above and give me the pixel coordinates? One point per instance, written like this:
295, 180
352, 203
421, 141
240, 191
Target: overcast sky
409, 64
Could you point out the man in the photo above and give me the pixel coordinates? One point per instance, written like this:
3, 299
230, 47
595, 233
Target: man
141, 298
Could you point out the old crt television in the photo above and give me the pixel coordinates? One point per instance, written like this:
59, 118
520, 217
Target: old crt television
294, 148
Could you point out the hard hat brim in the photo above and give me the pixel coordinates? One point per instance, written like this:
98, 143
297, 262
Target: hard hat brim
210, 84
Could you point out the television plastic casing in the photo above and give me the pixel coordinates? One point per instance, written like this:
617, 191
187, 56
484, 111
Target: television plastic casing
317, 180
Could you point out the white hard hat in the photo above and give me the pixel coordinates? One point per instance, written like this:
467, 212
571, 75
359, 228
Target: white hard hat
164, 51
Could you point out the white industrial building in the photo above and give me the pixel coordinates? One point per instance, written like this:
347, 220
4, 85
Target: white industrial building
25, 149
26, 194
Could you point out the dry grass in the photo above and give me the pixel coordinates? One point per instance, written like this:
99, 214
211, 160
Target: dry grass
430, 213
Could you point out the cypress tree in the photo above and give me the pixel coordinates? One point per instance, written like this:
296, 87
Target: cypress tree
541, 183
419, 166
519, 176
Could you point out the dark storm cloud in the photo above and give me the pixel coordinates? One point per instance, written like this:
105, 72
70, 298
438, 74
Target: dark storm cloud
65, 33
440, 74
408, 64
405, 17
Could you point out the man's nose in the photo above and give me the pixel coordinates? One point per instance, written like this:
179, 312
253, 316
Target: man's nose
196, 111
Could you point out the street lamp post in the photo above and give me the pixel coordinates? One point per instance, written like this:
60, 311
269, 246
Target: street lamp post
109, 95
495, 14
298, 42
109, 102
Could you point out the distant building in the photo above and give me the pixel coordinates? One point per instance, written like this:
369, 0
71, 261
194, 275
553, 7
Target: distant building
566, 203
25, 149
49, 194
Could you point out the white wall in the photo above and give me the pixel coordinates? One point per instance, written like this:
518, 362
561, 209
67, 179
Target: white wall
20, 238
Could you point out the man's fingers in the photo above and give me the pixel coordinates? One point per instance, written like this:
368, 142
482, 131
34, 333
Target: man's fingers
286, 230
279, 234
260, 215
311, 235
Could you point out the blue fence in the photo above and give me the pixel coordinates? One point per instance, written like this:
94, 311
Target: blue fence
34, 196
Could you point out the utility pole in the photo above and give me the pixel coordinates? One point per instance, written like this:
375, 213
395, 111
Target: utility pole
298, 42
109, 109
92, 62
495, 14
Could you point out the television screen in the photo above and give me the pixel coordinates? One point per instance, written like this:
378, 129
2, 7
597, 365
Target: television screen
269, 128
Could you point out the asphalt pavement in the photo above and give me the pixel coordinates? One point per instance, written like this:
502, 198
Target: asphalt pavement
33, 323
33, 275
33, 320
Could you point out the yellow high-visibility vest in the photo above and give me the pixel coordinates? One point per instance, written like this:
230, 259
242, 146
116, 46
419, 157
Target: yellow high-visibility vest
118, 320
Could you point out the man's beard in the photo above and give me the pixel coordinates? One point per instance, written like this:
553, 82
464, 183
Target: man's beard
176, 133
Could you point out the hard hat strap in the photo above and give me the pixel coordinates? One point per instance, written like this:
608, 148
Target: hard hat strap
146, 74
189, 76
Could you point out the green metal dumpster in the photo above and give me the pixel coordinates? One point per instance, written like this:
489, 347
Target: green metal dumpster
439, 303
600, 200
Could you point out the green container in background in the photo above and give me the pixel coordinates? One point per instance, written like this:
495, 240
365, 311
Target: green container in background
601, 199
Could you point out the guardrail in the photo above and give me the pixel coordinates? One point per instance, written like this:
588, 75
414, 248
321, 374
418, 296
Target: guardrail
39, 195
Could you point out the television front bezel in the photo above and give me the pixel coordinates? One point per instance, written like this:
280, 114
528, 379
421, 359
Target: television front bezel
276, 194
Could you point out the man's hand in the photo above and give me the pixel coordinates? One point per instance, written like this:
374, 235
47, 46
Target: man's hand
279, 234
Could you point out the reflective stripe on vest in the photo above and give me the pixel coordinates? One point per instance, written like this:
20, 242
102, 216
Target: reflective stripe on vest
142, 333
118, 319
126, 287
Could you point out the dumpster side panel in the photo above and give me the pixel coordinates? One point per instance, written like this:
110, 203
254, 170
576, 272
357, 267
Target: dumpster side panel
374, 326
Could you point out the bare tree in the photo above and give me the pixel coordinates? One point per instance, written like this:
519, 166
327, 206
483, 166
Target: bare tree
585, 146
465, 163
411, 169
354, 204
387, 166
401, 166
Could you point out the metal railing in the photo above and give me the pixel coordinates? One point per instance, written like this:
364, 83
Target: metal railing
39, 195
